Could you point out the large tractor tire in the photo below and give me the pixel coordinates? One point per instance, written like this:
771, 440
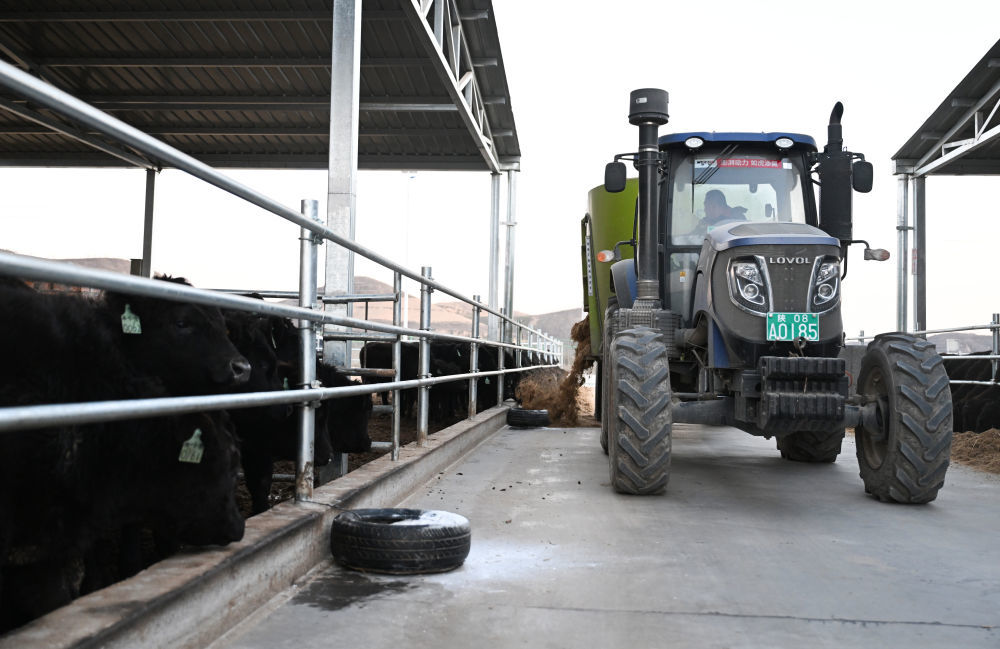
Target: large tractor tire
904, 450
811, 446
605, 391
639, 426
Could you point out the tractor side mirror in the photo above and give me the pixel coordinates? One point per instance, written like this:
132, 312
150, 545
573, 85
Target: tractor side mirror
876, 254
614, 177
862, 176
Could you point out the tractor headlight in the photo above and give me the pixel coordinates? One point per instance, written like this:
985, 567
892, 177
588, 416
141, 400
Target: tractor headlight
825, 289
748, 285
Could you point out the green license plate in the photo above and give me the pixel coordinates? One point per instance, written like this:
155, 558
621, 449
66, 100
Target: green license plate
789, 326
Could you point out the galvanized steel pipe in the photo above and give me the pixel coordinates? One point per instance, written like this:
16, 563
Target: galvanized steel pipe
308, 252
423, 395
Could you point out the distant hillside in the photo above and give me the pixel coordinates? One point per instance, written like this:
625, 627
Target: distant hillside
455, 317
961, 343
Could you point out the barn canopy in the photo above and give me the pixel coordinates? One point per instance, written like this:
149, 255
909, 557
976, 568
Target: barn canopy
247, 83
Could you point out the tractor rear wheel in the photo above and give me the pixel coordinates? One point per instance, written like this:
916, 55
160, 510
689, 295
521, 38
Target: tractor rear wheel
904, 449
639, 425
809, 446
605, 391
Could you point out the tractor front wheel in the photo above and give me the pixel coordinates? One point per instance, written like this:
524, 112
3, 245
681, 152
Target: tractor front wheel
811, 446
606, 394
904, 449
640, 420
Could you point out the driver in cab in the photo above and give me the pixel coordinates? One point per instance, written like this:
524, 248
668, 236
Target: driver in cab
717, 211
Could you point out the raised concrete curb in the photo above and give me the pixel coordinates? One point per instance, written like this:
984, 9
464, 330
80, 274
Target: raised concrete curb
192, 598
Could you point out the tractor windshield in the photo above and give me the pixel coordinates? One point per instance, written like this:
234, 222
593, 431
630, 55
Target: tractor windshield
730, 183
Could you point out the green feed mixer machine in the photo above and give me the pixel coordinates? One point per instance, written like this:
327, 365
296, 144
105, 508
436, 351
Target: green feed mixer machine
713, 284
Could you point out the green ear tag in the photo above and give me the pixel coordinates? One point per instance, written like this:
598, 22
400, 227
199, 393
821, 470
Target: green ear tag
130, 322
487, 380
284, 386
192, 449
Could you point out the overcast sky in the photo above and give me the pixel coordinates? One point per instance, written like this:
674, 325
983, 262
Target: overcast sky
728, 65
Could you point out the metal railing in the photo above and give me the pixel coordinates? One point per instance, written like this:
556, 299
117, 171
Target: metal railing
307, 315
993, 356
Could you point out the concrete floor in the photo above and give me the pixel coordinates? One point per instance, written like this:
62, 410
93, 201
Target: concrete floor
744, 550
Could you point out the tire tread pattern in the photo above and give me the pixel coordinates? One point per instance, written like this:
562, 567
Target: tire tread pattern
366, 540
640, 426
918, 448
810, 446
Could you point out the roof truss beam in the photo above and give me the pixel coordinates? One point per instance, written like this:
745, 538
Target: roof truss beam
963, 149
189, 16
53, 125
256, 131
223, 62
438, 28
264, 103
942, 145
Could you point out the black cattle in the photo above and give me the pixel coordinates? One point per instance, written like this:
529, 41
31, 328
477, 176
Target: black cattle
183, 345
976, 407
62, 490
343, 419
379, 355
271, 433
450, 399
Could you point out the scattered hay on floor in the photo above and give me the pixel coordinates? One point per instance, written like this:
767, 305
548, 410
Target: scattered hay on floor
978, 450
558, 391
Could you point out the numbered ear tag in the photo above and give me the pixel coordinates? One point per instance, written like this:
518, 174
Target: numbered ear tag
130, 322
193, 449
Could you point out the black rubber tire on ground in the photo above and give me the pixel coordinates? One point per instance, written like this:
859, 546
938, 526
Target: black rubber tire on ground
607, 395
904, 453
400, 541
523, 418
639, 441
807, 446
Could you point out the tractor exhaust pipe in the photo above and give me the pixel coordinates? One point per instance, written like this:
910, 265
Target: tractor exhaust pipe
648, 111
835, 196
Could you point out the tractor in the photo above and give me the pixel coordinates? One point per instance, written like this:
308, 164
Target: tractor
713, 283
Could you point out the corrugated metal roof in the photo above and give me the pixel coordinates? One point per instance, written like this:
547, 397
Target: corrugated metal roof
961, 136
246, 83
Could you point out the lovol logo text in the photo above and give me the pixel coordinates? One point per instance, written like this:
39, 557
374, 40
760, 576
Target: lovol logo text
789, 260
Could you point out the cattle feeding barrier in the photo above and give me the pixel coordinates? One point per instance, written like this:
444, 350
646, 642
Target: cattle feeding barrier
993, 356
309, 317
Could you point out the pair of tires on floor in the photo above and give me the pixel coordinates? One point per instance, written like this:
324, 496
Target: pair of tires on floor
903, 445
410, 541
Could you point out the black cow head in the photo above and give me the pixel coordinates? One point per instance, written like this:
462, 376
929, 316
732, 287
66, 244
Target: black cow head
252, 336
184, 344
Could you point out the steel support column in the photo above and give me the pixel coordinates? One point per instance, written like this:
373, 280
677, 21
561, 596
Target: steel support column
919, 254
146, 269
509, 270
492, 328
902, 249
345, 81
